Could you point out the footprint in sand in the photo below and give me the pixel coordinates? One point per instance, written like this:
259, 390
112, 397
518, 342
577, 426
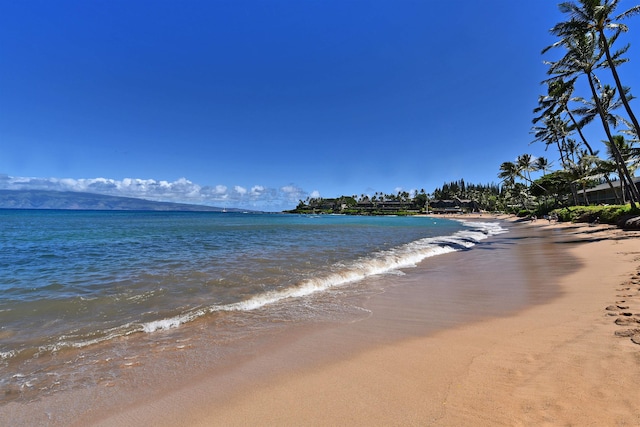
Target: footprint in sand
617, 307
628, 333
627, 318
627, 321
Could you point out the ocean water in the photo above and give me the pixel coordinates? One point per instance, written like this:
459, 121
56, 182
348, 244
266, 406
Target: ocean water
84, 294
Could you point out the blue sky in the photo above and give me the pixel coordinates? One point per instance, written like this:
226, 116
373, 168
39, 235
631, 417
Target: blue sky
257, 104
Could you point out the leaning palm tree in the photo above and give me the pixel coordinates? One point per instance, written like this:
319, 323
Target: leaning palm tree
554, 131
556, 102
584, 57
526, 164
588, 49
617, 147
521, 168
609, 102
597, 16
509, 171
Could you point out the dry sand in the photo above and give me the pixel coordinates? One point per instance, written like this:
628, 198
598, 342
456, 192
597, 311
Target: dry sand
570, 360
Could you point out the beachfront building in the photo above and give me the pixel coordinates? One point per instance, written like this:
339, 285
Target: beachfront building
603, 194
453, 206
387, 207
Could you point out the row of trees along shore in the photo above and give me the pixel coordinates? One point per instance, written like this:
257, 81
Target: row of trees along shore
488, 197
590, 54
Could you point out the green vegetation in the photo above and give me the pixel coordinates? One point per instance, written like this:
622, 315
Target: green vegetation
455, 196
590, 54
592, 214
401, 203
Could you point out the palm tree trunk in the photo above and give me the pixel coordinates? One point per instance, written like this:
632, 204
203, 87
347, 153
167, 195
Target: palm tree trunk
584, 140
574, 193
562, 154
635, 196
617, 198
612, 67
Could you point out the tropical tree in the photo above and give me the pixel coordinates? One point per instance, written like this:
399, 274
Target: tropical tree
584, 173
609, 102
583, 57
554, 132
588, 49
598, 16
509, 172
542, 164
630, 156
556, 103
559, 185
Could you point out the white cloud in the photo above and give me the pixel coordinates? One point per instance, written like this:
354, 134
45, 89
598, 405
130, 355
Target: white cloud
220, 189
314, 194
293, 193
181, 190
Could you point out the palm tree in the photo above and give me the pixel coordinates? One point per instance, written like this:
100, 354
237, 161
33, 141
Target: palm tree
631, 157
542, 164
597, 16
586, 43
584, 171
509, 171
554, 132
583, 57
609, 102
556, 102
526, 164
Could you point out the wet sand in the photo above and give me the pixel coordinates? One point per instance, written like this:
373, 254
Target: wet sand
549, 342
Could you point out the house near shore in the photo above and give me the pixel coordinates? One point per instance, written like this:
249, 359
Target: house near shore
387, 206
603, 194
453, 206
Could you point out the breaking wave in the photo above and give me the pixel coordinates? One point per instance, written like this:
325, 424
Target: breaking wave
382, 262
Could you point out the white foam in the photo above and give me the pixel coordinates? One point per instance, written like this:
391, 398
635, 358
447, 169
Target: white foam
173, 322
384, 262
8, 354
405, 256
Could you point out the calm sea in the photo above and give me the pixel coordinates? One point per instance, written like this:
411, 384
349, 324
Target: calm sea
79, 290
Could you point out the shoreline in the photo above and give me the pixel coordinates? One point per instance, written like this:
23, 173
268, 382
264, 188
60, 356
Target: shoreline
476, 337
557, 361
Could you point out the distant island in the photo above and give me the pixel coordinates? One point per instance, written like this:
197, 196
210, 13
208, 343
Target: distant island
71, 200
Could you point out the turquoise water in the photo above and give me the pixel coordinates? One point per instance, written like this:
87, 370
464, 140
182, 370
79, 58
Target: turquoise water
74, 280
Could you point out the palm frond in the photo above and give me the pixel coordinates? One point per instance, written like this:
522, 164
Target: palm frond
629, 13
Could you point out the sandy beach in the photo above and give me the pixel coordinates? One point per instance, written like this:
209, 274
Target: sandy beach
570, 356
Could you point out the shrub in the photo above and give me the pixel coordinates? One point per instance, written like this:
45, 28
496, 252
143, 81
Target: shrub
603, 214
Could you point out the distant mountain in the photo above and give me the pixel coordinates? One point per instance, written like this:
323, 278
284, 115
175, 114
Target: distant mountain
45, 199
